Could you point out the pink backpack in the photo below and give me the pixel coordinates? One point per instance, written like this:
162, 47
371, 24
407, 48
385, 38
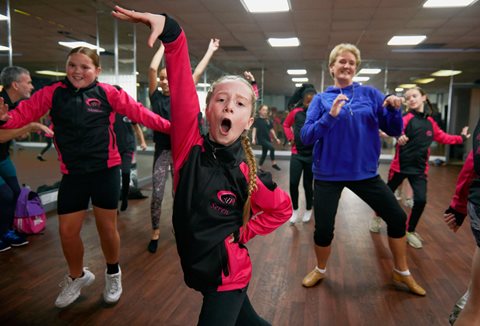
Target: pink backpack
30, 215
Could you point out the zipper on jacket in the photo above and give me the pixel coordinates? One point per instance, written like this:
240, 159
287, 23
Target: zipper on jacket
224, 259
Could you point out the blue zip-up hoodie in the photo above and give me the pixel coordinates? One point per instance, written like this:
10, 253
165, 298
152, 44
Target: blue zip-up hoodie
347, 147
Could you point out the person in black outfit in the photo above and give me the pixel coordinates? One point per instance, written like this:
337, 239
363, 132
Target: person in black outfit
262, 130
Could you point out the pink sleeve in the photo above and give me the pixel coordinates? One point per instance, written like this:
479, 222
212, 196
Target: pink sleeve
465, 178
270, 209
442, 137
31, 109
255, 89
287, 125
184, 105
124, 104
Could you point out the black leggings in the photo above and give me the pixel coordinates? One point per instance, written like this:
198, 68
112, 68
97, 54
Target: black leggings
299, 164
419, 187
373, 191
228, 308
267, 146
49, 141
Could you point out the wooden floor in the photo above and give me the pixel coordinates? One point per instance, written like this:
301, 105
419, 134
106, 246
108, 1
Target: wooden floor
358, 290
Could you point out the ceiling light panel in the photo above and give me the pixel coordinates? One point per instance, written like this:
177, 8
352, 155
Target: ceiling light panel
407, 40
283, 42
447, 3
264, 6
297, 71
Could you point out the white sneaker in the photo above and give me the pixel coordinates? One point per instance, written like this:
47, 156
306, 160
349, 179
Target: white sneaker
306, 216
294, 217
375, 224
71, 288
414, 240
113, 287
409, 202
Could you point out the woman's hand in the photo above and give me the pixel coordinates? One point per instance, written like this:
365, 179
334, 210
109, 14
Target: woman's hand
337, 105
394, 101
155, 22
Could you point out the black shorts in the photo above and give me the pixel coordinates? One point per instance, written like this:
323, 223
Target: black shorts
102, 187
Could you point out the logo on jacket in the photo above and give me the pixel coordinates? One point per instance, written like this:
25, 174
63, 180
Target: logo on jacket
429, 133
93, 105
227, 197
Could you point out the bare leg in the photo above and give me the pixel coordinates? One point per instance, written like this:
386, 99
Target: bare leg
106, 221
69, 227
471, 313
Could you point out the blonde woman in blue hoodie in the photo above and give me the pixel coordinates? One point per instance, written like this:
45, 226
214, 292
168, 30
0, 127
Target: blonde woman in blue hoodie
343, 124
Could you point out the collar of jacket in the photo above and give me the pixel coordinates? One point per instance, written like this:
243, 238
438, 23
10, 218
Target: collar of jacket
231, 155
419, 114
7, 99
78, 90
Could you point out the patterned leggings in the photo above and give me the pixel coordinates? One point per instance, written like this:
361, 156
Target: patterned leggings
163, 160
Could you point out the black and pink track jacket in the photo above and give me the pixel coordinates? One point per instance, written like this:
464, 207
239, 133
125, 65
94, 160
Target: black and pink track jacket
468, 182
210, 183
83, 122
291, 126
421, 130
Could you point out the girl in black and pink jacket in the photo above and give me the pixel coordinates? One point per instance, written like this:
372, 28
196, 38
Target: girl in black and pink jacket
220, 201
412, 153
302, 158
82, 111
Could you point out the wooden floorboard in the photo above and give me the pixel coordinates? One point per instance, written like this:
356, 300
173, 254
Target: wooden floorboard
357, 291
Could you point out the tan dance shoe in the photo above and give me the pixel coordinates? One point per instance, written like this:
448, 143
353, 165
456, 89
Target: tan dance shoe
408, 281
312, 278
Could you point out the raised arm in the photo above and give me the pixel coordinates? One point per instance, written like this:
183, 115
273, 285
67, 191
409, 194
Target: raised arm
9, 134
202, 65
153, 69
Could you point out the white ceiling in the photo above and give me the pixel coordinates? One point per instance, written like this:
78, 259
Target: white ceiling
453, 36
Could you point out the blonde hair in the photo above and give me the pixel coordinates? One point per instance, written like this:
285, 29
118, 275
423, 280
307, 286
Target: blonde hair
249, 156
344, 47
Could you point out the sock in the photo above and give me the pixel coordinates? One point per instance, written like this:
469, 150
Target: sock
318, 269
112, 268
403, 273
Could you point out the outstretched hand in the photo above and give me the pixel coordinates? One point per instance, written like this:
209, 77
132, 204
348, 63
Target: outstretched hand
155, 22
465, 132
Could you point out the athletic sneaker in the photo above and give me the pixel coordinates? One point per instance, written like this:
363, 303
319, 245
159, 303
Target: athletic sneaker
113, 287
15, 239
414, 240
40, 158
71, 288
276, 167
294, 217
375, 224
306, 216
457, 309
4, 246
409, 202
